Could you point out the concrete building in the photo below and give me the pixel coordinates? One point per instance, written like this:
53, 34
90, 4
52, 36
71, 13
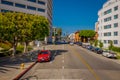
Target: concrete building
96, 31
40, 7
109, 23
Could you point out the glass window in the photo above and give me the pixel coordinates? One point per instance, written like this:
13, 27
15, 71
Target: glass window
31, 8
105, 41
41, 10
107, 34
115, 33
107, 26
19, 5
3, 10
116, 16
115, 24
108, 11
109, 41
41, 2
115, 8
32, 0
115, 41
7, 2
107, 19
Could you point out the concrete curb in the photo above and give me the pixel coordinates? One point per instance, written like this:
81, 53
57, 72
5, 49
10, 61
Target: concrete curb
21, 74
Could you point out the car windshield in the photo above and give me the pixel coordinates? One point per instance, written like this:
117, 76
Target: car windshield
43, 52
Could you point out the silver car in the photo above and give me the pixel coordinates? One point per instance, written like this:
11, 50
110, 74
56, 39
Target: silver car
109, 54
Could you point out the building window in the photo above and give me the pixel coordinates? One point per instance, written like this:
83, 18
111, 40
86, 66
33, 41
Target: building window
115, 25
108, 11
32, 0
41, 2
116, 16
115, 41
107, 34
31, 8
105, 41
41, 10
109, 41
107, 26
107, 19
115, 33
19, 5
7, 2
3, 10
115, 8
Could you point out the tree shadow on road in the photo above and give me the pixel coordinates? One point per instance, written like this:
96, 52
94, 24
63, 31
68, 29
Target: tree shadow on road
55, 53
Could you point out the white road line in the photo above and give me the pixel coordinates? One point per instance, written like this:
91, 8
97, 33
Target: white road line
51, 62
63, 57
63, 46
62, 77
63, 67
63, 61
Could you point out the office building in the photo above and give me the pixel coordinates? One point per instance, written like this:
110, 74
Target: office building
109, 23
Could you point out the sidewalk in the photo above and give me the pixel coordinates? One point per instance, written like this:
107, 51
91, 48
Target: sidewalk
116, 61
10, 66
9, 72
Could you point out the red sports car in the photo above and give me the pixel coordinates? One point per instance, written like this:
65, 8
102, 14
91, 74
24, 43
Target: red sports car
44, 55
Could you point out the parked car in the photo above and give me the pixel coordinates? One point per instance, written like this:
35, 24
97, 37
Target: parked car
109, 54
89, 47
99, 51
79, 43
44, 55
96, 49
71, 43
92, 49
84, 46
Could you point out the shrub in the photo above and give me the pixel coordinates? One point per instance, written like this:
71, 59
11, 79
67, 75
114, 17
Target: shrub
20, 48
117, 49
5, 46
29, 48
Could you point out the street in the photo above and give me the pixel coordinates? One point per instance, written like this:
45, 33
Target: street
74, 63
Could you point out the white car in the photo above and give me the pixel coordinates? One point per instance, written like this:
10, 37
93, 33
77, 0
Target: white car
109, 54
71, 43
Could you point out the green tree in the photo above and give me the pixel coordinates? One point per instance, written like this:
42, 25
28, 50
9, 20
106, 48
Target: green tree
9, 30
87, 33
21, 27
100, 44
111, 45
59, 31
91, 42
96, 43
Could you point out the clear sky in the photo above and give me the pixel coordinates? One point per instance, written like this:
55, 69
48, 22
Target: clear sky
73, 15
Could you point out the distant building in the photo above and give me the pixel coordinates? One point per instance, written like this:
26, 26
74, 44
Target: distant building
109, 23
72, 37
40, 7
77, 36
96, 31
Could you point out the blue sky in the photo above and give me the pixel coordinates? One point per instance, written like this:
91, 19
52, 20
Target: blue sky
73, 15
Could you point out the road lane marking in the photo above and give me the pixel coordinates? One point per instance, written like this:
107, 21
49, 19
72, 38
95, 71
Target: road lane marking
63, 61
63, 46
63, 57
51, 62
86, 64
63, 67
62, 77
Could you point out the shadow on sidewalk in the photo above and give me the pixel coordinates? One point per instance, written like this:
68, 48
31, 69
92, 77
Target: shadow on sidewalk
13, 63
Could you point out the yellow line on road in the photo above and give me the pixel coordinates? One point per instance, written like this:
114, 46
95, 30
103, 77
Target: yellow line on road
86, 64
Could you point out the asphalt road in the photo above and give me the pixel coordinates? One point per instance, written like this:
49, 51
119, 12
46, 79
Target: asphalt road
74, 63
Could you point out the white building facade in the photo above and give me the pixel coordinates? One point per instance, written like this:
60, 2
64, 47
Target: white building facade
109, 23
39, 7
